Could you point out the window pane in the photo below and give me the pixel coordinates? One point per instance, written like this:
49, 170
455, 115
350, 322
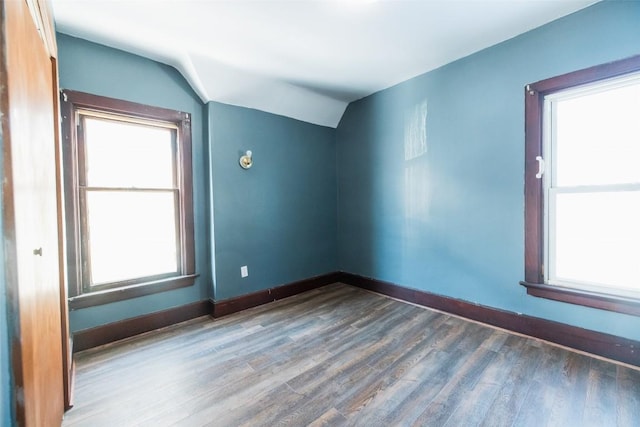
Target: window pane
598, 138
598, 238
131, 234
121, 154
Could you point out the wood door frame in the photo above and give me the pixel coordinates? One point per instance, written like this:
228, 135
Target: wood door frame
42, 17
68, 364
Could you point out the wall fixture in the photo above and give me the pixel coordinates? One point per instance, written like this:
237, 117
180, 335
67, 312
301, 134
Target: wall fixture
246, 160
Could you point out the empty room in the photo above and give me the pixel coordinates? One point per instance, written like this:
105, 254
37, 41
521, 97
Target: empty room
323, 212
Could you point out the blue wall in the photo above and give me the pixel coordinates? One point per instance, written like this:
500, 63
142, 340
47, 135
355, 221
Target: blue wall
428, 175
5, 365
279, 217
5, 370
6, 397
436, 202
97, 69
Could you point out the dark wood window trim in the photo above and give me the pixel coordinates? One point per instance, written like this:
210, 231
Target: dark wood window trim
534, 191
128, 292
71, 101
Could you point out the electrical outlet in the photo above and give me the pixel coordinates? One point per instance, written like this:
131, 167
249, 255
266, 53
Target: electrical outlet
244, 271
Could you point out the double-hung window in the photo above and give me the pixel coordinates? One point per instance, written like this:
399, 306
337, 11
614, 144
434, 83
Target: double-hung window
128, 194
583, 187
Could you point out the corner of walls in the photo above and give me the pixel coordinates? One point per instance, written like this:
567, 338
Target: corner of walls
210, 217
435, 201
339, 255
278, 217
101, 70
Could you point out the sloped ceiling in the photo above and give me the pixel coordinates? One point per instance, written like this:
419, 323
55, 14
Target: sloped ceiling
305, 59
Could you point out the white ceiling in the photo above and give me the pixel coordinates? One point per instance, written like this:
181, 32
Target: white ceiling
305, 59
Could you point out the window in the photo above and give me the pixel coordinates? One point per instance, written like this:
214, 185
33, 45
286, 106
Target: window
128, 199
582, 187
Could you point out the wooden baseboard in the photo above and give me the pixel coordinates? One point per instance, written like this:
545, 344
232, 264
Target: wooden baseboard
233, 305
598, 343
104, 334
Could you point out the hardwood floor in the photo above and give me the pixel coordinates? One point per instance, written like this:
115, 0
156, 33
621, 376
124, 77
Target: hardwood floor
340, 355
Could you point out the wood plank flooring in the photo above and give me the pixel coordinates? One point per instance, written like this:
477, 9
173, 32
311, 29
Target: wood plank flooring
339, 355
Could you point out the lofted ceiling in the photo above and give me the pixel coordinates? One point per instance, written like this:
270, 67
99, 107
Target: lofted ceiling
305, 59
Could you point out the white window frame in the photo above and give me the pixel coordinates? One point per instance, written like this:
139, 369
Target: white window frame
551, 189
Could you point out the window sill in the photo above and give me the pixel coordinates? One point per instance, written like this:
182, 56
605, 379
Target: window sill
608, 302
141, 289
